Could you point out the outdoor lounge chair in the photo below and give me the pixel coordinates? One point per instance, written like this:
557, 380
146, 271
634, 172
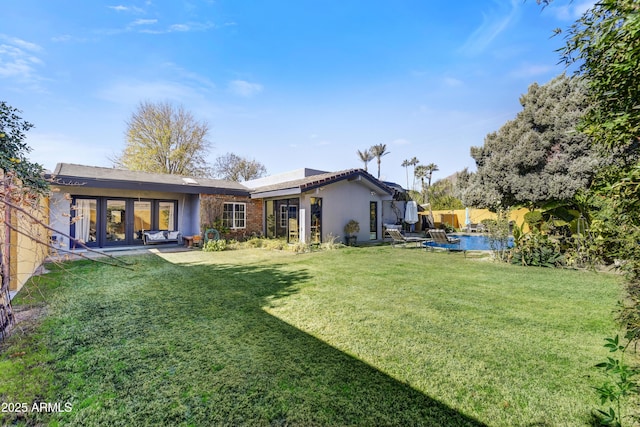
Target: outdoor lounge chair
398, 238
440, 239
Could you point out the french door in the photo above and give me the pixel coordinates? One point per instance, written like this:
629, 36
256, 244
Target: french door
103, 221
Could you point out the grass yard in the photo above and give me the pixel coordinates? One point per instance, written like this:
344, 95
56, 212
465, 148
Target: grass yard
358, 336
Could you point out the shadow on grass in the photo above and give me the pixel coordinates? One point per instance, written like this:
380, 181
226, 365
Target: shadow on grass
174, 344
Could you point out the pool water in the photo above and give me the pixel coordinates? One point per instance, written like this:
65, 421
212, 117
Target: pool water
470, 242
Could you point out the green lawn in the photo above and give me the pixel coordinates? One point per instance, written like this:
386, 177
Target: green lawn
358, 336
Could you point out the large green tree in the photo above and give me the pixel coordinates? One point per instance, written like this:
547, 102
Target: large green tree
538, 156
605, 44
164, 138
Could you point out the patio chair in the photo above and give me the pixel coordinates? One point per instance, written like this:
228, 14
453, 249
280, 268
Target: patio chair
399, 238
440, 239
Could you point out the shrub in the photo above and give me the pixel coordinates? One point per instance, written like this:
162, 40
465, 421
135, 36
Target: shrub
352, 227
536, 249
214, 246
331, 243
534, 220
498, 234
299, 247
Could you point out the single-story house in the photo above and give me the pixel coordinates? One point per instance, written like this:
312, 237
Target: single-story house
312, 206
104, 207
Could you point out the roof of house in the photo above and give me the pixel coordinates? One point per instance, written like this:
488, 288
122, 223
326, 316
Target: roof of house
68, 174
282, 177
302, 185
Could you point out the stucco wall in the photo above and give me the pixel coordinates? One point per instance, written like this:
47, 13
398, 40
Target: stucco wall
475, 216
342, 202
27, 245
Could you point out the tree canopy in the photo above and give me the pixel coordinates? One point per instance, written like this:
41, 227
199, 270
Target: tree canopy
13, 149
235, 168
378, 151
163, 138
538, 156
442, 195
365, 156
604, 43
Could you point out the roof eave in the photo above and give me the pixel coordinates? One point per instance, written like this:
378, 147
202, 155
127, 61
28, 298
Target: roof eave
71, 181
276, 193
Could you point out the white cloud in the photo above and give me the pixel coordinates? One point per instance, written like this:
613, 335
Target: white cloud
18, 61
144, 22
244, 88
61, 39
22, 44
179, 27
571, 11
122, 8
493, 24
183, 28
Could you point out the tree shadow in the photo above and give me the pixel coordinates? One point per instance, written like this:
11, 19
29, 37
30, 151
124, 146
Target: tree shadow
188, 344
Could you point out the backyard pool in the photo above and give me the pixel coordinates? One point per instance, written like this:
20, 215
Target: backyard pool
469, 242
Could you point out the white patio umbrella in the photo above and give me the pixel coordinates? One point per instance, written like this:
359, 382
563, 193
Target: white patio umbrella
411, 212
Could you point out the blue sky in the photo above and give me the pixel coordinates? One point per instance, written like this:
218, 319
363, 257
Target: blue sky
289, 83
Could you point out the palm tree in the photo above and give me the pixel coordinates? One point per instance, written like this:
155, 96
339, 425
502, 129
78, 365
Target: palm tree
378, 151
405, 164
413, 162
421, 172
431, 168
366, 157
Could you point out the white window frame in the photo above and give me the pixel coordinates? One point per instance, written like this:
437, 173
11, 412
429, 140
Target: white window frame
284, 215
237, 215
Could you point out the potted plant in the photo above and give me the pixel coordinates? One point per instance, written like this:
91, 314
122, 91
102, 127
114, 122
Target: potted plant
351, 230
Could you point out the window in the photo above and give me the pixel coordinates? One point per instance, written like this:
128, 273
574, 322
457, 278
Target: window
234, 215
166, 216
287, 212
85, 220
373, 220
